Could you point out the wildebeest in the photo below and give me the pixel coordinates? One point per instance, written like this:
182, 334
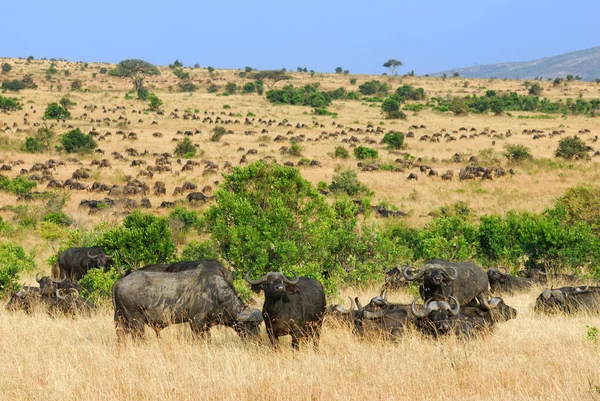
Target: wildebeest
442, 279
505, 283
198, 297
74, 263
569, 300
292, 307
197, 196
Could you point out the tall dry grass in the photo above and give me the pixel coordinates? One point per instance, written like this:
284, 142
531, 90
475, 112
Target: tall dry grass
531, 358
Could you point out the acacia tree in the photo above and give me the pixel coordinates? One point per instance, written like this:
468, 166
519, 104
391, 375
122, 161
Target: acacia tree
135, 69
270, 75
392, 65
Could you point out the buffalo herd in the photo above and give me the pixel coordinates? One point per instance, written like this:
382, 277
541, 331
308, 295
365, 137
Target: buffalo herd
454, 299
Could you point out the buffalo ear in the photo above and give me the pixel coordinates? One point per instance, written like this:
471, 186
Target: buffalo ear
292, 289
257, 288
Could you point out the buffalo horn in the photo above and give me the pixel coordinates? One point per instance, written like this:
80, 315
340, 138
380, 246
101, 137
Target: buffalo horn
376, 314
37, 277
343, 310
255, 282
89, 254
580, 289
59, 295
451, 276
412, 277
112, 255
291, 282
546, 294
495, 301
505, 269
55, 280
423, 313
456, 309
359, 305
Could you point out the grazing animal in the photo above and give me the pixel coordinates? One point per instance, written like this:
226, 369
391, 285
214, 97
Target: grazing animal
74, 263
505, 283
198, 297
292, 307
569, 300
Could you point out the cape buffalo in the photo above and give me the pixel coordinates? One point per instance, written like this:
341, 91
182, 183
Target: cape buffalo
389, 320
198, 297
292, 306
49, 285
442, 279
74, 263
63, 302
569, 300
505, 283
206, 265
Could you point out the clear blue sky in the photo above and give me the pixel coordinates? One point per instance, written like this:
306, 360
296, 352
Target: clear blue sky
427, 36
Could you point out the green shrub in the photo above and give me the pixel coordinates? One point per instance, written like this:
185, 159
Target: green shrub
103, 70
187, 87
142, 239
6, 68
76, 141
66, 102
14, 85
536, 89
18, 186
40, 142
97, 284
390, 107
142, 93
155, 103
295, 149
13, 261
33, 145
309, 95
408, 92
346, 181
571, 147
55, 111
185, 148
200, 250
352, 81
188, 218
450, 238
218, 133
374, 88
394, 140
517, 153
213, 88
231, 88
60, 218
579, 204
363, 152
249, 87
9, 104
341, 152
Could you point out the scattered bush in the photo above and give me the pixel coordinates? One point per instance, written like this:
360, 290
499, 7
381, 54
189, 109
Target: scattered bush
14, 85
517, 153
536, 89
185, 148
394, 140
9, 104
374, 88
341, 152
346, 181
295, 149
6, 68
231, 88
187, 87
40, 142
13, 261
200, 250
218, 133
309, 95
155, 103
103, 70
571, 147
18, 186
249, 87
59, 218
363, 152
143, 93
408, 92
76, 141
55, 111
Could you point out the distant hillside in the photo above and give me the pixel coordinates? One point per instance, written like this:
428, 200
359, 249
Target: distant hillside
585, 63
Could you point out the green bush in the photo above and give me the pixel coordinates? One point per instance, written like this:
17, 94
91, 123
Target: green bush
249, 87
309, 95
9, 104
536, 89
517, 153
394, 140
231, 88
13, 261
76, 141
571, 147
40, 142
363, 152
66, 102
295, 149
6, 68
18, 186
374, 88
188, 218
143, 93
155, 103
579, 204
346, 181
97, 284
451, 238
341, 152
141, 240
55, 111
185, 148
33, 145
14, 85
218, 132
60, 218
187, 87
200, 250
408, 92
103, 70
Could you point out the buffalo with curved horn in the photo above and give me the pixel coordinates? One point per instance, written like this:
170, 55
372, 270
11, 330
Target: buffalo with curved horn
505, 283
382, 318
49, 285
569, 300
292, 307
465, 281
74, 263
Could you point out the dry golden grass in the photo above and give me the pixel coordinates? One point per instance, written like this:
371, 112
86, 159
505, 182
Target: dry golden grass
530, 358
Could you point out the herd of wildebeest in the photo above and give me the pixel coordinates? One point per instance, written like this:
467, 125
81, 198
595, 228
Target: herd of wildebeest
454, 299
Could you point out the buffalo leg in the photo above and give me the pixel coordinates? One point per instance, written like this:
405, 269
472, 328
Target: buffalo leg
200, 328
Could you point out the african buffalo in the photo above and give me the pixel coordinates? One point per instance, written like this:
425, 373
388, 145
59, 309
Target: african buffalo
389, 320
49, 285
442, 279
505, 283
292, 306
569, 300
74, 263
198, 297
63, 302
206, 265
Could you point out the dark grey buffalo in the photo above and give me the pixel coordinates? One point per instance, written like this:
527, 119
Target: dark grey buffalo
382, 318
74, 263
198, 297
198, 197
49, 285
569, 300
62, 302
465, 281
340, 313
292, 307
502, 282
206, 265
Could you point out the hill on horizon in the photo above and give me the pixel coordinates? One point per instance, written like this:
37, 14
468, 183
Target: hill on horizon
585, 63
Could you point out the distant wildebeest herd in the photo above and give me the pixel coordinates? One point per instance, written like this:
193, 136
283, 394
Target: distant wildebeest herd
453, 299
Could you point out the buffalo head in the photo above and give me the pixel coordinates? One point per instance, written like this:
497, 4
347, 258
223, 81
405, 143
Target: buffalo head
48, 285
274, 284
432, 274
434, 315
247, 322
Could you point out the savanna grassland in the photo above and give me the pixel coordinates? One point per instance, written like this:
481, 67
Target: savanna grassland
532, 357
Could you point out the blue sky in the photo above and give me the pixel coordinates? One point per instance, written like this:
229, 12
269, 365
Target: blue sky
427, 36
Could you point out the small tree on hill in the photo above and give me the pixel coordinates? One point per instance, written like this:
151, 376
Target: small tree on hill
135, 69
392, 65
55, 111
76, 141
185, 148
272, 76
535, 89
339, 70
6, 68
571, 147
394, 140
155, 103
